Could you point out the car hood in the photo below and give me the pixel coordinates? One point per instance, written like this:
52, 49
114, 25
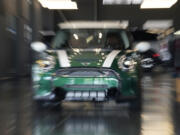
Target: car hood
86, 57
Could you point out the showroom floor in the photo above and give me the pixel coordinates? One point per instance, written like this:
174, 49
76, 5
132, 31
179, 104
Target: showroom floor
159, 115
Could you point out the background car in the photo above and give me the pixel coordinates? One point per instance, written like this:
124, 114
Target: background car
149, 57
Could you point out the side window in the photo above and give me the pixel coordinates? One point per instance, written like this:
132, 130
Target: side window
60, 40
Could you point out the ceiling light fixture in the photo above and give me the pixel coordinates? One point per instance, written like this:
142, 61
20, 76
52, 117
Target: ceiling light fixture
94, 24
155, 31
177, 32
58, 4
121, 2
158, 24
146, 4
136, 2
47, 33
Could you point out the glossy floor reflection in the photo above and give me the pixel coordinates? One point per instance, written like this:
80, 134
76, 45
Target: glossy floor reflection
156, 117
15, 107
18, 116
88, 119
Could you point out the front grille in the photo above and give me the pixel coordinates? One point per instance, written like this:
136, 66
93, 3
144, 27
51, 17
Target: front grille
86, 72
86, 86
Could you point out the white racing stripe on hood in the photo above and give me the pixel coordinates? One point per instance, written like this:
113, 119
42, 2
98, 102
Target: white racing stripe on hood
63, 58
110, 58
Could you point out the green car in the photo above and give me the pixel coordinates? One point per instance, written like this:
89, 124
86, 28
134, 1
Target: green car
87, 64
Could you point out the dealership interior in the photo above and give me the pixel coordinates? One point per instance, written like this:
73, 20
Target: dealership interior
90, 67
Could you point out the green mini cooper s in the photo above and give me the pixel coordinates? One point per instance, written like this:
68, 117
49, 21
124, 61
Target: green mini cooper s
87, 63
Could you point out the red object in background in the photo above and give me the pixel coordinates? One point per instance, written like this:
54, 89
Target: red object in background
156, 55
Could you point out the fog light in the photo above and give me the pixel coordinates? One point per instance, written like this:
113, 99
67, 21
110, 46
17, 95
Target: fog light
93, 94
85, 94
70, 94
78, 94
101, 94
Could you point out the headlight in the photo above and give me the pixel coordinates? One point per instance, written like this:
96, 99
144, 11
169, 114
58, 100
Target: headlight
126, 63
47, 63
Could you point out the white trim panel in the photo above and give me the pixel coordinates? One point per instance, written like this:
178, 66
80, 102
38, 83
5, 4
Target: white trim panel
110, 58
94, 24
63, 58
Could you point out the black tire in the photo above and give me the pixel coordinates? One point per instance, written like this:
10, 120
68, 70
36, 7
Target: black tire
136, 105
145, 69
38, 105
42, 105
148, 70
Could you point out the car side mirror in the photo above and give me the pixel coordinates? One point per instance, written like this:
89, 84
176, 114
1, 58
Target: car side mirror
38, 46
142, 46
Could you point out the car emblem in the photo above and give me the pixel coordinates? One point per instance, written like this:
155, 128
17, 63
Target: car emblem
85, 63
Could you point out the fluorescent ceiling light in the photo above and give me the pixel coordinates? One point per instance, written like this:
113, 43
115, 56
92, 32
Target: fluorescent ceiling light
158, 3
110, 2
177, 32
58, 4
121, 2
157, 24
136, 2
94, 24
155, 31
47, 33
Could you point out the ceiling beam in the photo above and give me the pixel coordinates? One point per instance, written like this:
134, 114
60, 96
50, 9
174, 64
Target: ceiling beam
95, 10
62, 16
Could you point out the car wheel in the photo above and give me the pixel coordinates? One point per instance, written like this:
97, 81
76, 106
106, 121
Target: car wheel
136, 105
148, 70
41, 105
147, 64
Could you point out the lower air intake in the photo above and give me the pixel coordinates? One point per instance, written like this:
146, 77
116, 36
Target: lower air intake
85, 95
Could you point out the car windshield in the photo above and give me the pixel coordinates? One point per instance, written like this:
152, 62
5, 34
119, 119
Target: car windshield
91, 38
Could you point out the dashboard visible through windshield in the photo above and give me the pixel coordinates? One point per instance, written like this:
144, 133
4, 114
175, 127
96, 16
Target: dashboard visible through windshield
91, 38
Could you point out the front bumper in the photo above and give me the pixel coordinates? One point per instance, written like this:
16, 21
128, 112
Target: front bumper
83, 96
60, 86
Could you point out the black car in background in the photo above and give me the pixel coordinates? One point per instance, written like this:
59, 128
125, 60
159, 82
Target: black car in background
144, 42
